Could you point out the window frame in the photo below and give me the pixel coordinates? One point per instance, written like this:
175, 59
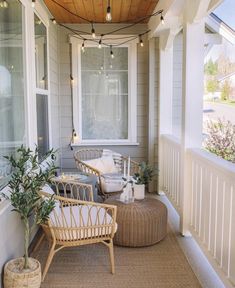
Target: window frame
77, 92
39, 12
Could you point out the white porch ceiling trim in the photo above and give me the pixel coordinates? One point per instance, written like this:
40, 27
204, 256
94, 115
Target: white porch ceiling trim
177, 12
221, 29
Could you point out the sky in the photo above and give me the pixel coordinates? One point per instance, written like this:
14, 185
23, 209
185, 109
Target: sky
226, 12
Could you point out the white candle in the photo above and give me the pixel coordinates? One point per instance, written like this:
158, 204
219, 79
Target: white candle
128, 168
124, 171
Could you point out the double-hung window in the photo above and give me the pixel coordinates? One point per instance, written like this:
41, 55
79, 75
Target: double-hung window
42, 92
12, 83
104, 93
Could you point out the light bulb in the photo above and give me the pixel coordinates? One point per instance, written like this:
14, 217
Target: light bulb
111, 53
141, 43
5, 4
83, 47
53, 20
33, 3
100, 46
71, 79
108, 14
162, 20
93, 33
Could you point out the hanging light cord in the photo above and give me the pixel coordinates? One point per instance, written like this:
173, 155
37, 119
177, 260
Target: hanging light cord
79, 33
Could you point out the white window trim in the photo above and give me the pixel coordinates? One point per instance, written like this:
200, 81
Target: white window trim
43, 16
132, 92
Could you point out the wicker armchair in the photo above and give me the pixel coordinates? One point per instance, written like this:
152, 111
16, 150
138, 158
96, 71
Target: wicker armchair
81, 156
76, 222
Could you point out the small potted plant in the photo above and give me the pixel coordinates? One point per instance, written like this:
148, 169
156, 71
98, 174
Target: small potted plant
28, 177
141, 179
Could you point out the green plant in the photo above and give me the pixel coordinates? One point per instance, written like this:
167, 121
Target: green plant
28, 177
225, 90
211, 68
212, 85
221, 139
145, 174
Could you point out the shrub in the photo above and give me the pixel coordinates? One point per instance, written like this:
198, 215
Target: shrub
221, 139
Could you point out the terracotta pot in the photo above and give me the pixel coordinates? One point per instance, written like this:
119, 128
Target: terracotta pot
139, 190
15, 276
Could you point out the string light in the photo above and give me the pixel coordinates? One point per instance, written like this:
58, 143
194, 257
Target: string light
92, 31
74, 139
108, 14
4, 4
111, 52
100, 44
33, 3
83, 46
53, 20
71, 79
141, 41
133, 22
162, 19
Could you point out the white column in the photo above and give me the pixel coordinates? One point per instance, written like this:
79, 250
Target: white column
165, 88
193, 74
165, 94
152, 129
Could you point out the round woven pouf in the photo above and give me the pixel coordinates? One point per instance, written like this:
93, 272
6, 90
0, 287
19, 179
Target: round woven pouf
141, 223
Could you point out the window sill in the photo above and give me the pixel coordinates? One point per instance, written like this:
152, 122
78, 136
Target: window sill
105, 144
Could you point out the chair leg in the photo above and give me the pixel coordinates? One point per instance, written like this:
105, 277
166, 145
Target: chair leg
48, 262
111, 256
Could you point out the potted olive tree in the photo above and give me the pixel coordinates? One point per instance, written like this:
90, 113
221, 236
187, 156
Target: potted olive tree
28, 177
141, 179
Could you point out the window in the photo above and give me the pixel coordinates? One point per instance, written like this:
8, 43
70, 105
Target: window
104, 85
105, 101
40, 31
42, 124
12, 83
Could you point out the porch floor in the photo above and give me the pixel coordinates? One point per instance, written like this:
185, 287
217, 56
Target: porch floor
161, 265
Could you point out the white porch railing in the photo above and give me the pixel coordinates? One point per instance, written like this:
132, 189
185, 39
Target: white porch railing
170, 170
212, 207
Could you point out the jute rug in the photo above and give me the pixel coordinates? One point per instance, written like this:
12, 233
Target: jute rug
162, 265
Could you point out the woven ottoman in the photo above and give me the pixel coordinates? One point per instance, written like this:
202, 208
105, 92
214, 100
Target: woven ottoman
141, 223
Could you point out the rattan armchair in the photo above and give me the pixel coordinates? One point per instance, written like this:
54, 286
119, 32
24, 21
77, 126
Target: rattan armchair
87, 154
76, 222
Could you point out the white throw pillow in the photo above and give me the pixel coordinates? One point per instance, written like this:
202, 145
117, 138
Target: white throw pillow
46, 188
104, 164
96, 163
109, 165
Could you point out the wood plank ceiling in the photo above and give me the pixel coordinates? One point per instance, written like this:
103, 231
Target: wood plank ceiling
95, 10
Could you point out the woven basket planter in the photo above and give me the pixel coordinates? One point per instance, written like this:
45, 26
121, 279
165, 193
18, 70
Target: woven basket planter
16, 277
